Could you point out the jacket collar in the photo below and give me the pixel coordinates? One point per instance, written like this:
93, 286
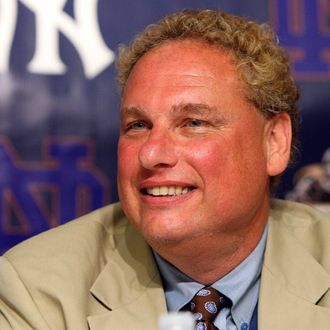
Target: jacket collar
129, 286
292, 283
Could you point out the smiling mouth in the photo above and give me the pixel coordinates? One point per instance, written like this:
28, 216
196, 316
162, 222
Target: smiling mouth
167, 191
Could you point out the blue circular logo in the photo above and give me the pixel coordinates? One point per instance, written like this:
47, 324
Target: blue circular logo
211, 307
201, 326
198, 316
244, 326
203, 293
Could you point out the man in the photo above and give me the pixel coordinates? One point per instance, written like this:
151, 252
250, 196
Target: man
207, 118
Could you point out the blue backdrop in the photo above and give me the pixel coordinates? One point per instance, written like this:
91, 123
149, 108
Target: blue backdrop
59, 102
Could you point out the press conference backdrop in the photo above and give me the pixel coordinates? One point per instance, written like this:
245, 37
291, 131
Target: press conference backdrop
59, 103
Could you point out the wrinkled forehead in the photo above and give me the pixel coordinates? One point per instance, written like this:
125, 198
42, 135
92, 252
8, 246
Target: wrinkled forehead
191, 60
178, 66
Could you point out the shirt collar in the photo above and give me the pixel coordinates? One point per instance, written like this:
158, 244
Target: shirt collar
241, 285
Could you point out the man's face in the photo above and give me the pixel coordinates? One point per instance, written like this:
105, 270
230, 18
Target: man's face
192, 149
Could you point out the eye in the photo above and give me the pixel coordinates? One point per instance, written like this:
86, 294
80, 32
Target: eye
194, 123
137, 125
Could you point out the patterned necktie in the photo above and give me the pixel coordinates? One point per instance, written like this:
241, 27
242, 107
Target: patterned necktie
205, 306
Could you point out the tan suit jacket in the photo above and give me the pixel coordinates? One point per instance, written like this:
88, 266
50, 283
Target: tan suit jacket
98, 273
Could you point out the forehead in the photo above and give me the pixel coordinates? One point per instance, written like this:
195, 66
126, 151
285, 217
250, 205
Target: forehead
196, 59
185, 71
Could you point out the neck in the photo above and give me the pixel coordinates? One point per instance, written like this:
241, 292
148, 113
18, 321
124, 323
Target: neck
205, 260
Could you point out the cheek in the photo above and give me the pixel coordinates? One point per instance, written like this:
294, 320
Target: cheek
227, 161
127, 159
206, 157
204, 151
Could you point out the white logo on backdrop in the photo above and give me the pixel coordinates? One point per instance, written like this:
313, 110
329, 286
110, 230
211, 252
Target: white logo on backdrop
82, 31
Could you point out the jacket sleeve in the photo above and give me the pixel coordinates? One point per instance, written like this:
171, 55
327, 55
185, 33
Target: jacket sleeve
18, 310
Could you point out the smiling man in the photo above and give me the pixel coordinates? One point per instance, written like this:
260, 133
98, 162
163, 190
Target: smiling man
195, 156
208, 116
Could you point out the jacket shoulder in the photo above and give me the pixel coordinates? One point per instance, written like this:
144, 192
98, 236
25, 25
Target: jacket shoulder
89, 237
294, 214
47, 278
308, 225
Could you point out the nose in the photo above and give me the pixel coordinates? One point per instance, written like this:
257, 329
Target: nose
158, 151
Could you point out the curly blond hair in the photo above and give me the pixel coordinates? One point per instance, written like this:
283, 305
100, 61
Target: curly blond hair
261, 63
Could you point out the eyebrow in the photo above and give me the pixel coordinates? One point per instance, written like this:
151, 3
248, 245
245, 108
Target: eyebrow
184, 109
194, 108
197, 108
131, 111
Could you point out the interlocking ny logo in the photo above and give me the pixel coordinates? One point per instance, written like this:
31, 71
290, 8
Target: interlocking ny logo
303, 27
82, 31
37, 195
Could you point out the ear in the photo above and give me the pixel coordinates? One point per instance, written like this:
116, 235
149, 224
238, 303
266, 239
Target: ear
278, 143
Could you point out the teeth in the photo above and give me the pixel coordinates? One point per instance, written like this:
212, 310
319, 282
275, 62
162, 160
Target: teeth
156, 191
168, 191
171, 190
184, 190
163, 191
178, 190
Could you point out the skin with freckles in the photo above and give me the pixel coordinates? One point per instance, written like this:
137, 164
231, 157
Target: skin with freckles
185, 122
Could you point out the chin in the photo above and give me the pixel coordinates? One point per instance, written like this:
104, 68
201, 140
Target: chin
164, 234
164, 243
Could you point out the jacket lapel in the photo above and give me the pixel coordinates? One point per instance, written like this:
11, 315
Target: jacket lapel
129, 286
292, 283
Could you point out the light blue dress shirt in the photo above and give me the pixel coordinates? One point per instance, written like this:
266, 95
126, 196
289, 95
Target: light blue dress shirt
241, 286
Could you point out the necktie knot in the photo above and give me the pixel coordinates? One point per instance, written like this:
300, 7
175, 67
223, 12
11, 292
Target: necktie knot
205, 306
